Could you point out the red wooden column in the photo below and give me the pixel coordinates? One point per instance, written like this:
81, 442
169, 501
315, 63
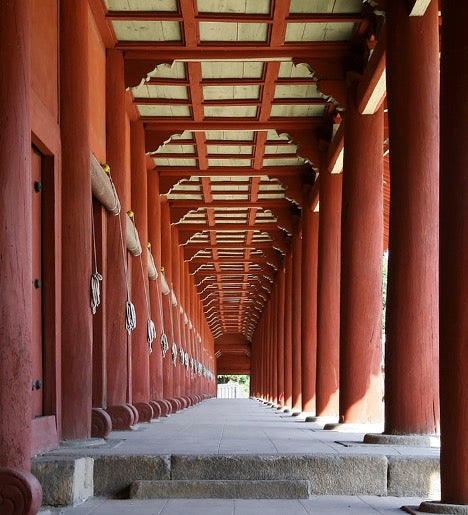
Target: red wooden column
99, 328
20, 489
310, 228
274, 352
288, 334
114, 284
176, 309
269, 353
190, 336
154, 236
280, 281
191, 330
328, 291
453, 256
140, 286
265, 354
361, 383
259, 338
411, 366
76, 222
262, 356
166, 299
296, 322
184, 320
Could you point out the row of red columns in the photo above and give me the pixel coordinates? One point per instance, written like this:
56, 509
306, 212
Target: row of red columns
101, 366
330, 361
137, 378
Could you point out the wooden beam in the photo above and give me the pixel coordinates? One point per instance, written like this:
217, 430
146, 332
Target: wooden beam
231, 18
418, 7
371, 89
163, 124
168, 51
265, 203
335, 152
106, 31
232, 171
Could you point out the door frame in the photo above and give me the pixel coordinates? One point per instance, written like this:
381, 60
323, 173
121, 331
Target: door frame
46, 429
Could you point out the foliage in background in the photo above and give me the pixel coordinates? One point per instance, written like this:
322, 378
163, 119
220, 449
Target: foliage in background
384, 288
243, 380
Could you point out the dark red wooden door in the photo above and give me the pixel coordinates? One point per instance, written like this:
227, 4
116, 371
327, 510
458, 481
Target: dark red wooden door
37, 352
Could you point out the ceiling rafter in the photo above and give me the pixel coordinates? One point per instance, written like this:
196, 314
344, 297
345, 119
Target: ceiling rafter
162, 16
233, 103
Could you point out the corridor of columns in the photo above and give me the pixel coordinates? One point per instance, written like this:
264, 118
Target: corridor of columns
205, 188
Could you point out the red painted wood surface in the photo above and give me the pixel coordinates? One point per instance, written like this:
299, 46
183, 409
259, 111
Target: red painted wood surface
115, 292
166, 251
328, 284
453, 256
296, 321
411, 365
361, 382
76, 222
15, 211
288, 316
280, 282
99, 318
310, 228
37, 343
139, 189
154, 236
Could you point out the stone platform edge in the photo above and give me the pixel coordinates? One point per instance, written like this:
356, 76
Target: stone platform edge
328, 474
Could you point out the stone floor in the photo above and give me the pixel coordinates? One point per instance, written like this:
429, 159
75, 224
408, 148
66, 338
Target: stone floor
238, 427
235, 427
321, 505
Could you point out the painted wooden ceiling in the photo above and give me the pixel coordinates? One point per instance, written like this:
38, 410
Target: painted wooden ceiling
237, 98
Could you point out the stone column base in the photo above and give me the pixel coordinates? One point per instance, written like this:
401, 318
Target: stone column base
145, 411
322, 419
440, 507
101, 423
136, 416
122, 416
408, 440
20, 491
156, 409
347, 427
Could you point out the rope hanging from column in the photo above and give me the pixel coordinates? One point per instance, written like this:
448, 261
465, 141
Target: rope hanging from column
163, 338
171, 297
150, 329
130, 314
96, 277
103, 189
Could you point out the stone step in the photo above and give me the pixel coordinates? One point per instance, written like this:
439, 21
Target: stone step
329, 474
68, 480
220, 489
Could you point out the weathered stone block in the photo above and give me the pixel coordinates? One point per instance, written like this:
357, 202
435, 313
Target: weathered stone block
328, 474
65, 481
220, 489
414, 476
113, 475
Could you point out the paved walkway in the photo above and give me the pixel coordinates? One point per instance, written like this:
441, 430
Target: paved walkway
237, 427
322, 505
